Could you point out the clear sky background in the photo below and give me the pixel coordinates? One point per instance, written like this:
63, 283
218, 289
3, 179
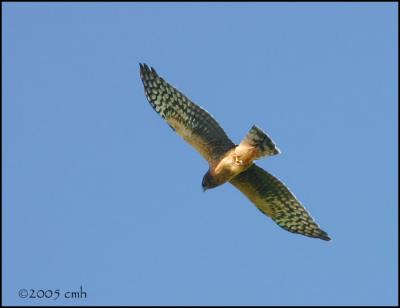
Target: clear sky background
99, 192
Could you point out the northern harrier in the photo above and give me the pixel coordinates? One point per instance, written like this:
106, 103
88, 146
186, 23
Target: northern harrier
229, 162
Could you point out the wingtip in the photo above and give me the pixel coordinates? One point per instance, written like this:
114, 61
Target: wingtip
144, 68
324, 236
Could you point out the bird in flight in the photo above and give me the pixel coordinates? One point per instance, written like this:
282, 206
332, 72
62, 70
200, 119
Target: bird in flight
227, 161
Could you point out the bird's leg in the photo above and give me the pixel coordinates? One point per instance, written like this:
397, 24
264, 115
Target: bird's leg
238, 161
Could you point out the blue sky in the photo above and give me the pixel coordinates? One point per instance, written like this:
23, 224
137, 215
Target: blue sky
98, 191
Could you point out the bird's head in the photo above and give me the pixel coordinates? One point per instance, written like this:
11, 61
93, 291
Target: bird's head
208, 181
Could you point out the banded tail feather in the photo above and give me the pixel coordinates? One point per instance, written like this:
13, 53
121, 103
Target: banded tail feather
258, 139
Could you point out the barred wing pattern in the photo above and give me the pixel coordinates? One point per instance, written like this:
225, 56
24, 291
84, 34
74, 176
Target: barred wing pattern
189, 120
275, 200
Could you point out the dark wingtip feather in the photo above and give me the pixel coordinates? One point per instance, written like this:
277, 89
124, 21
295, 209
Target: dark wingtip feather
324, 236
147, 72
142, 69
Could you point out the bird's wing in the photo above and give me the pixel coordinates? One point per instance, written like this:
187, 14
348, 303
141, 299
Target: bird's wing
275, 200
190, 121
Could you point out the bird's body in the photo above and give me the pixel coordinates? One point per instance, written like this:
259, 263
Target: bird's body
238, 159
229, 162
227, 168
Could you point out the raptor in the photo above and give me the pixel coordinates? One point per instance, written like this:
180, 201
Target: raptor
227, 161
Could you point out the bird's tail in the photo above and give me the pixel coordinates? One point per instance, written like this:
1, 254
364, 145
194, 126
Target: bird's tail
257, 139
